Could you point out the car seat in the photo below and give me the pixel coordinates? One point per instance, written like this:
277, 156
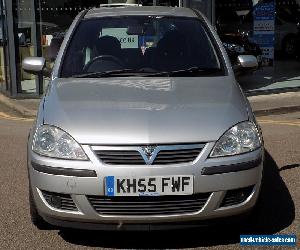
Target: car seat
108, 45
171, 51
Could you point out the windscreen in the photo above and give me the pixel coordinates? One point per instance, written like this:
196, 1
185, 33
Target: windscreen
140, 44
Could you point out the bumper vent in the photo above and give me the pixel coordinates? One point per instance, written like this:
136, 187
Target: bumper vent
143, 206
60, 201
236, 196
148, 155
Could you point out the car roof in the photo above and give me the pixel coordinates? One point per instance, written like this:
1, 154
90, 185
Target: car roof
140, 11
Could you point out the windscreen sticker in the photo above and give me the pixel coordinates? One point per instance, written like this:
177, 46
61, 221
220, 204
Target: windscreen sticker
127, 41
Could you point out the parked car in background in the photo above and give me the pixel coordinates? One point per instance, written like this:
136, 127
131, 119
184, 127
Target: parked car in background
286, 29
239, 44
236, 43
143, 125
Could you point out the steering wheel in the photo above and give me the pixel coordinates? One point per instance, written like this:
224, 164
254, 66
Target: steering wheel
102, 57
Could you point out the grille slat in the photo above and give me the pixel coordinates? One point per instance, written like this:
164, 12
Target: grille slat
120, 157
141, 205
68, 207
67, 203
174, 161
183, 157
231, 203
124, 162
117, 152
143, 213
150, 203
135, 209
173, 154
120, 161
165, 157
105, 206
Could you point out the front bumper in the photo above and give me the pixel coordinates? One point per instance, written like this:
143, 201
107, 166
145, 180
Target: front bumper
80, 188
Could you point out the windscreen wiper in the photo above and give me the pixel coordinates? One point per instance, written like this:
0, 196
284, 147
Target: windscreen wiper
104, 73
192, 70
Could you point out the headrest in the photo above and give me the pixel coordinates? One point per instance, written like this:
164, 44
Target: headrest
108, 45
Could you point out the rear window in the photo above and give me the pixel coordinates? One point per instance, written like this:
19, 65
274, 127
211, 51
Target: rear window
141, 43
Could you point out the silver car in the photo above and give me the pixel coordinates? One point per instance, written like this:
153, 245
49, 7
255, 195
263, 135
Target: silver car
143, 125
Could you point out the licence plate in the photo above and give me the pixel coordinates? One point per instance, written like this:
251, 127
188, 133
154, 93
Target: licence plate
149, 186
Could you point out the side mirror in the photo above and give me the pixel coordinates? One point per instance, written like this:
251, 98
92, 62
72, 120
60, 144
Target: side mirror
36, 66
247, 62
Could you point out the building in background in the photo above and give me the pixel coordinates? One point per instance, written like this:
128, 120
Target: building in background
35, 28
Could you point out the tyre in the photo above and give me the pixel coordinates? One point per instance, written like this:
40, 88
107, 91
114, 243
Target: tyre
36, 219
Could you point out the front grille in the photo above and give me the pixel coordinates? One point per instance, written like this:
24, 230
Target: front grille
59, 201
161, 155
145, 205
118, 157
176, 156
236, 196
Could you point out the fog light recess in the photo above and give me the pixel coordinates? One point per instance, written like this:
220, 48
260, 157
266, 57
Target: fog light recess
59, 201
236, 196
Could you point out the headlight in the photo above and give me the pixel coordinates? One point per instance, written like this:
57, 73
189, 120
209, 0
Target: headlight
53, 142
241, 138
